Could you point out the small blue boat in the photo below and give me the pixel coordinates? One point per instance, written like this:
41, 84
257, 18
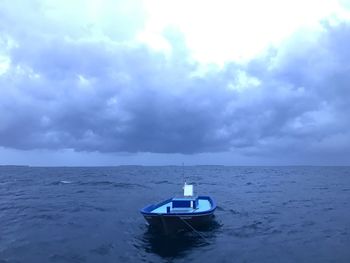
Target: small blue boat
187, 212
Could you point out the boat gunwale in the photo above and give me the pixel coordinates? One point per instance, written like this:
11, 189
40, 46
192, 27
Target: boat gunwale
147, 211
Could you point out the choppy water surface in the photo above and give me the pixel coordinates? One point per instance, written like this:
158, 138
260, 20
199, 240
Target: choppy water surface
265, 214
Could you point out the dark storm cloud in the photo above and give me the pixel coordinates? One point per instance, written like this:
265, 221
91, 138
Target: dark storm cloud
312, 73
119, 99
96, 94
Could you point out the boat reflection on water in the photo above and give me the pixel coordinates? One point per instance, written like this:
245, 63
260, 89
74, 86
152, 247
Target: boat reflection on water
178, 244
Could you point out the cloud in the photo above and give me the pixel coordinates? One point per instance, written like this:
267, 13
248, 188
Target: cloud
99, 90
311, 70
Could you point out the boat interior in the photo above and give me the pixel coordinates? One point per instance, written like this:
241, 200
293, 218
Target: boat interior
183, 205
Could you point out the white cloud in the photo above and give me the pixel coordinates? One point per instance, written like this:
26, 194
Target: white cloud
226, 30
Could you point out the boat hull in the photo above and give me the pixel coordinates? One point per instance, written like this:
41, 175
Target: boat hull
172, 222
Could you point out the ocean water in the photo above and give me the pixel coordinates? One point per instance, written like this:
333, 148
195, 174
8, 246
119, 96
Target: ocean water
264, 214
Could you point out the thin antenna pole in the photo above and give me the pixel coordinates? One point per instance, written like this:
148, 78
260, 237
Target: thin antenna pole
183, 173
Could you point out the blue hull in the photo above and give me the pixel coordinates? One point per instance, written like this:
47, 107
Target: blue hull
174, 221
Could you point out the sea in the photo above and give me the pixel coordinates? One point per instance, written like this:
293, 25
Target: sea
92, 214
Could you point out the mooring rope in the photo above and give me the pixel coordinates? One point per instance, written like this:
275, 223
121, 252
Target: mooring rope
188, 224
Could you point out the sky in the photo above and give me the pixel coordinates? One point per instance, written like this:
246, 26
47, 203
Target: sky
166, 82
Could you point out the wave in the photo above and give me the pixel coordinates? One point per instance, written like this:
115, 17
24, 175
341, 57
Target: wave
112, 184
